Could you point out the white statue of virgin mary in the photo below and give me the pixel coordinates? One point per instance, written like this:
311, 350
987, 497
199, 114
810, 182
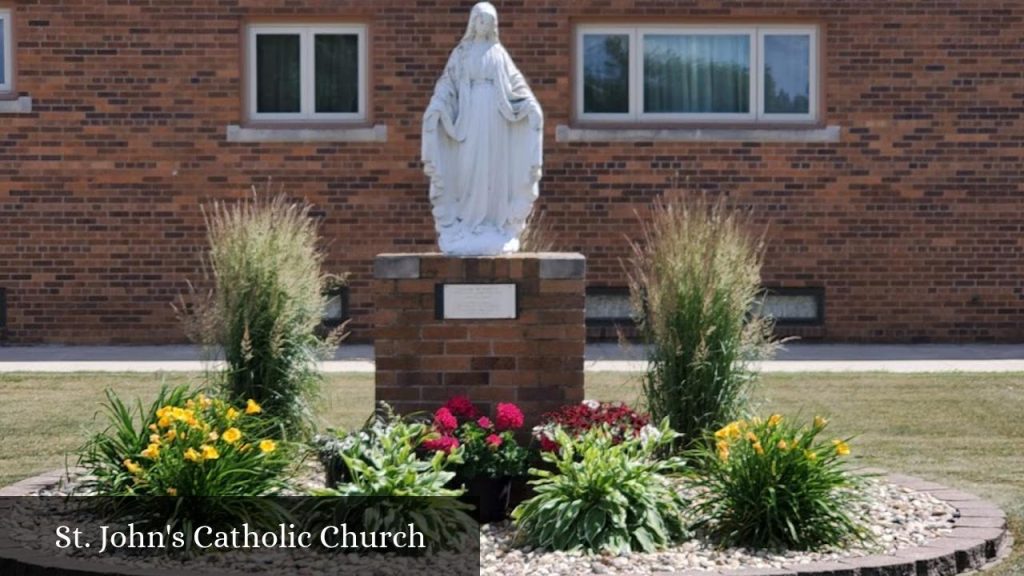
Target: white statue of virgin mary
482, 145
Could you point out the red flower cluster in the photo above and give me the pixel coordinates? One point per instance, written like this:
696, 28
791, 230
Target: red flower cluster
462, 407
577, 419
444, 421
509, 417
494, 441
441, 444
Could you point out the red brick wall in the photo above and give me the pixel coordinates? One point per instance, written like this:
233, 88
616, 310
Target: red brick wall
912, 222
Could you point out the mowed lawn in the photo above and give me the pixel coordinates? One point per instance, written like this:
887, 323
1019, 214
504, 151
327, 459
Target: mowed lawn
965, 430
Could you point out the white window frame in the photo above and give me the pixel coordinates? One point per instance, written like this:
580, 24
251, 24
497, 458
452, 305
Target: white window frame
812, 76
756, 33
307, 76
8, 51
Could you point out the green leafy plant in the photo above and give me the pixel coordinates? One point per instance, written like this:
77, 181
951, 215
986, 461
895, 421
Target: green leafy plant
266, 304
390, 485
605, 495
183, 446
695, 280
770, 484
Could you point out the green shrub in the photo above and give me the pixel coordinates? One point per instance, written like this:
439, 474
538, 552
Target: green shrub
183, 445
695, 278
605, 496
266, 304
773, 484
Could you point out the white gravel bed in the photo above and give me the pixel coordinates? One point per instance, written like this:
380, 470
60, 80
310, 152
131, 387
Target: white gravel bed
897, 517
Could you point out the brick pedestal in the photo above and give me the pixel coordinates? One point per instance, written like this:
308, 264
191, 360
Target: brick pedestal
534, 360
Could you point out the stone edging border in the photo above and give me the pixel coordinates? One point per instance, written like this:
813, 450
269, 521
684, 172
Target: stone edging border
979, 540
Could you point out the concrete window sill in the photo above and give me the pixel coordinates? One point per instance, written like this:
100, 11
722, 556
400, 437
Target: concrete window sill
21, 105
827, 134
375, 133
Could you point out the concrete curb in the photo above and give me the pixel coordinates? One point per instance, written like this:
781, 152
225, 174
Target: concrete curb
979, 540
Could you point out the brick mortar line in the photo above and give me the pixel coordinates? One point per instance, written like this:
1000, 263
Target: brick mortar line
975, 550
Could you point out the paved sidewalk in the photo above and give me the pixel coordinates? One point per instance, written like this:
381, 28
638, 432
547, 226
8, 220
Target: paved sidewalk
795, 357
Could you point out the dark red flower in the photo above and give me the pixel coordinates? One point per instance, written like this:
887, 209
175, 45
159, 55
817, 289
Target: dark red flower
484, 422
494, 441
442, 444
548, 445
444, 421
462, 407
509, 417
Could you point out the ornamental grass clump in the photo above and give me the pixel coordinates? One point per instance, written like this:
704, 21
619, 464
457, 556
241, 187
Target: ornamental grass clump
774, 484
695, 282
605, 495
266, 304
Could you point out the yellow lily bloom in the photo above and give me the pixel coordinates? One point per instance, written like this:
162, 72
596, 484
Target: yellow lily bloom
232, 435
133, 467
231, 414
267, 446
209, 452
842, 448
193, 456
152, 452
774, 420
251, 407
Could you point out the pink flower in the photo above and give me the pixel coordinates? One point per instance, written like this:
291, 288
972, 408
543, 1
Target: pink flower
509, 417
494, 441
444, 421
462, 407
484, 422
443, 444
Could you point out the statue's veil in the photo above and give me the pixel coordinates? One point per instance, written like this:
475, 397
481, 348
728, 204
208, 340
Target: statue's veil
482, 8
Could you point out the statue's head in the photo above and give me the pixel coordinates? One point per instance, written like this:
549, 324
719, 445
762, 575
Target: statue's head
483, 23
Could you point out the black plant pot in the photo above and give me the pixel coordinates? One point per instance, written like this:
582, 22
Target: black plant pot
490, 496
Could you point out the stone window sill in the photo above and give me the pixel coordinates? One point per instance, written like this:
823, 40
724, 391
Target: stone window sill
375, 133
20, 105
827, 134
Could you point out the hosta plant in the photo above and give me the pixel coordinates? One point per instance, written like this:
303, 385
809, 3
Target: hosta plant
605, 495
390, 485
775, 484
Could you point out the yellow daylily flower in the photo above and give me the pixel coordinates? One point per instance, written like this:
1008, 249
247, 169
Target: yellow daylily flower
232, 435
212, 436
820, 422
758, 448
152, 452
153, 428
267, 446
171, 435
204, 402
209, 452
251, 407
193, 456
231, 414
842, 448
782, 445
774, 420
133, 467
154, 438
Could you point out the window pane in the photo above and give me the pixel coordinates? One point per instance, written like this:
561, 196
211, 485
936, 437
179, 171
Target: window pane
606, 73
337, 72
697, 73
277, 73
787, 74
3, 53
